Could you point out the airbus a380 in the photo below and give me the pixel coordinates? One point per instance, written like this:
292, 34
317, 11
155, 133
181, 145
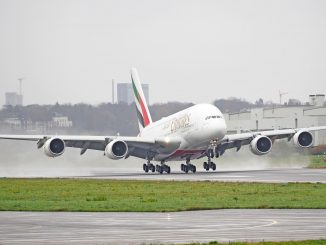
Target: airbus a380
193, 133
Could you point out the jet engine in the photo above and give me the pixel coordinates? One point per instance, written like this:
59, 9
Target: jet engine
116, 149
261, 145
54, 147
303, 139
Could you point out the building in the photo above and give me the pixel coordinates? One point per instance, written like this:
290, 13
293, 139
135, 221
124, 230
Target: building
125, 93
282, 117
60, 122
19, 123
317, 99
13, 99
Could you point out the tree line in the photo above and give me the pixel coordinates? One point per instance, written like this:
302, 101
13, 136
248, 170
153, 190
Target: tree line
110, 119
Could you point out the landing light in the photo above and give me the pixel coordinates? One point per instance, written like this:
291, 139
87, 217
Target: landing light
167, 140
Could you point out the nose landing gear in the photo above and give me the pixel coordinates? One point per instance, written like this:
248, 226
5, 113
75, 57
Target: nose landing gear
209, 164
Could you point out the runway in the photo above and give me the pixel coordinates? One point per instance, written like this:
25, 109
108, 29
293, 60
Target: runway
272, 175
180, 227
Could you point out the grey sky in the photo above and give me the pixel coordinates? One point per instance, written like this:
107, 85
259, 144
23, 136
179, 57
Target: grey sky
194, 51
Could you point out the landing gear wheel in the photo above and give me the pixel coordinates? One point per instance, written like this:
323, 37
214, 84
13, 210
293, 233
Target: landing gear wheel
164, 168
213, 166
148, 167
206, 166
152, 168
159, 169
217, 155
188, 167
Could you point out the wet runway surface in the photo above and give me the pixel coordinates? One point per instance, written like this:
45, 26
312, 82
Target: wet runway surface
273, 175
181, 227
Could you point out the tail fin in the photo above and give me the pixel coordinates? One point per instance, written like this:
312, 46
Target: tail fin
144, 117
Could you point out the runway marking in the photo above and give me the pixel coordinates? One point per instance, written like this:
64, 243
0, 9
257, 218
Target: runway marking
311, 174
169, 217
273, 222
231, 176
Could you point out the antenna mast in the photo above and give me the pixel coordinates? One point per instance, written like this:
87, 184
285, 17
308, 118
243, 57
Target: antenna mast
281, 95
113, 91
20, 85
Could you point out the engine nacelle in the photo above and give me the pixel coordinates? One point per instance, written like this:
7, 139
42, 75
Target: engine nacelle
54, 147
116, 149
303, 139
261, 145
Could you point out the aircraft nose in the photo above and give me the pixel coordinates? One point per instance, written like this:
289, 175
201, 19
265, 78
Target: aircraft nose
219, 128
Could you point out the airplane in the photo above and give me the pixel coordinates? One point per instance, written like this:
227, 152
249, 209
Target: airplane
196, 132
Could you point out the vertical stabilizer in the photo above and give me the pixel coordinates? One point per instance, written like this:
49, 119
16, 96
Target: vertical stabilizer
144, 117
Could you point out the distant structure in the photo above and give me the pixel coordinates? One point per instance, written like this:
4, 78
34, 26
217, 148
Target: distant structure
125, 92
60, 121
310, 114
113, 92
13, 98
20, 123
316, 99
21, 85
281, 94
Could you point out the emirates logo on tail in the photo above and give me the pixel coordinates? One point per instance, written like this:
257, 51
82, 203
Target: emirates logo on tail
144, 117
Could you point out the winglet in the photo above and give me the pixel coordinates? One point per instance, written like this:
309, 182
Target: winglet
144, 117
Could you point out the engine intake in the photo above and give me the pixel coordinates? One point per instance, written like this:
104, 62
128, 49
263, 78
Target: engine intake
54, 147
303, 139
116, 149
261, 145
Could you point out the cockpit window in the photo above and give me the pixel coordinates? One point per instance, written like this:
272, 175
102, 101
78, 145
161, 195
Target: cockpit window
212, 117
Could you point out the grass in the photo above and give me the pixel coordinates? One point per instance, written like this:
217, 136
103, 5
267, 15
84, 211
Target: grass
317, 162
154, 196
307, 242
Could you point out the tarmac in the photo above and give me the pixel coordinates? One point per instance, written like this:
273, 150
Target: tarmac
271, 175
179, 227
149, 228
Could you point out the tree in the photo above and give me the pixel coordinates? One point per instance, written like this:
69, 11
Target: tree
294, 102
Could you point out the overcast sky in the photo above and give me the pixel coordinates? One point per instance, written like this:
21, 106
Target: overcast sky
190, 51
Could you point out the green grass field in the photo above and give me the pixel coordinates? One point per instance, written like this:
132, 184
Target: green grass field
156, 196
317, 162
309, 242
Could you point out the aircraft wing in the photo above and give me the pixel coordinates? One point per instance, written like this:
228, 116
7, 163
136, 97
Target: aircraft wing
138, 146
237, 140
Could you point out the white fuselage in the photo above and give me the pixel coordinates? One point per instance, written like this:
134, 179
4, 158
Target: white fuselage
196, 127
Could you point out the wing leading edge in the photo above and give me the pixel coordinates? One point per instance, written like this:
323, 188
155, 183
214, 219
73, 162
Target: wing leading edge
138, 146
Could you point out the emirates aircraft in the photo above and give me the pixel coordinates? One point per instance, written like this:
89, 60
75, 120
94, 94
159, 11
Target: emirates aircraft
193, 133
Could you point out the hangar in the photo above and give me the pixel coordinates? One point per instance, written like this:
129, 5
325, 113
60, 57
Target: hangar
281, 117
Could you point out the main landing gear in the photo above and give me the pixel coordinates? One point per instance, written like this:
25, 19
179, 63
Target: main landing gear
209, 164
188, 167
148, 167
163, 168
158, 168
